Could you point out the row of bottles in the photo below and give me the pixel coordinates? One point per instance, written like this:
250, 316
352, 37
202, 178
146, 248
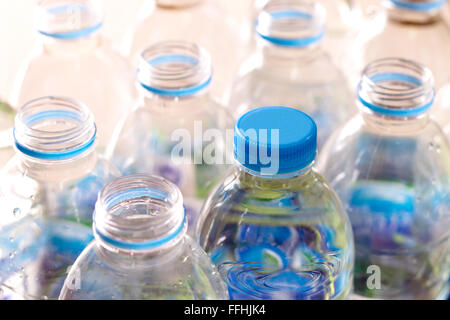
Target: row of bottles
266, 217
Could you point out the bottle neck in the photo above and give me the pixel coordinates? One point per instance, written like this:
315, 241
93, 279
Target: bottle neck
396, 95
125, 259
139, 216
174, 71
393, 126
72, 47
69, 25
290, 31
285, 57
178, 4
174, 105
55, 139
248, 176
58, 171
414, 12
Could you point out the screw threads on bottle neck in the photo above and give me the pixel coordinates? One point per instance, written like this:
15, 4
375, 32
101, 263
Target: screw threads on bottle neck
291, 24
175, 69
397, 88
54, 129
68, 20
140, 214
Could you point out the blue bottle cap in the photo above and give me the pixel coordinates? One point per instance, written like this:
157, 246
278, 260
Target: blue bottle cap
274, 141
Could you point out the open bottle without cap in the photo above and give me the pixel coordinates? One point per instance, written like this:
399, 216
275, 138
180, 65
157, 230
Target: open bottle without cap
344, 21
196, 21
390, 167
75, 60
274, 227
141, 250
290, 68
415, 30
47, 193
167, 134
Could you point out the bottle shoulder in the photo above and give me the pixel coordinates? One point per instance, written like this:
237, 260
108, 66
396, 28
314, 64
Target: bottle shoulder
111, 275
361, 151
63, 197
287, 198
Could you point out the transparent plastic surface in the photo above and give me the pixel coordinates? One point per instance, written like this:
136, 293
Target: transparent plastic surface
298, 76
342, 15
345, 20
278, 238
390, 169
47, 204
441, 112
419, 35
7, 114
74, 60
196, 21
140, 252
145, 143
179, 136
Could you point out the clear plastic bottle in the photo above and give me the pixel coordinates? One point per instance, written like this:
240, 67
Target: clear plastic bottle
141, 250
344, 22
342, 15
415, 30
292, 69
390, 167
274, 227
7, 114
47, 195
195, 21
169, 134
74, 60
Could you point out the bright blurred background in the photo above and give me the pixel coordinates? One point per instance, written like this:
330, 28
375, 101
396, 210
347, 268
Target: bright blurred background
18, 37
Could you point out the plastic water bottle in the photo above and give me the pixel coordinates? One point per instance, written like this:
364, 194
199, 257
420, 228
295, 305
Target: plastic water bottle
196, 21
344, 22
169, 134
389, 165
7, 114
274, 226
74, 60
141, 250
292, 69
416, 30
47, 195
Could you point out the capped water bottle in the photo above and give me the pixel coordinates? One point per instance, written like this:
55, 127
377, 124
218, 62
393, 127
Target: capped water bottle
141, 250
274, 227
47, 195
74, 60
7, 114
178, 131
292, 69
415, 30
389, 165
196, 21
